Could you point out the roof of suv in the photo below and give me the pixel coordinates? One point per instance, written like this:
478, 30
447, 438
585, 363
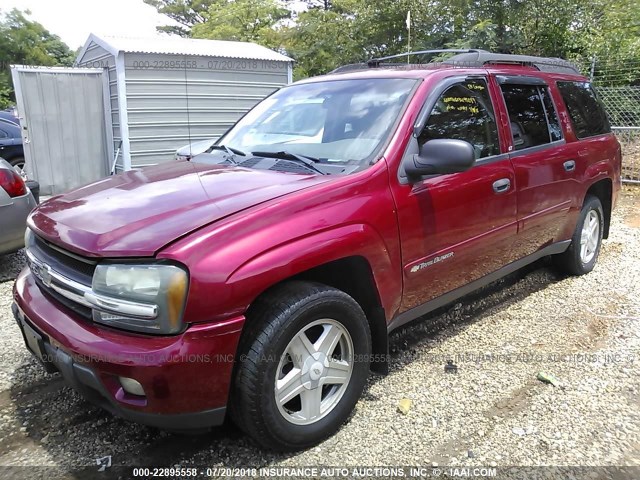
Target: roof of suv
463, 60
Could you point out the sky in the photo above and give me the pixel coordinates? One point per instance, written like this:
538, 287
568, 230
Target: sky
74, 20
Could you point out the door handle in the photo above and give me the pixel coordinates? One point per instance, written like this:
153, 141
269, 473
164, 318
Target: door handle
569, 165
502, 185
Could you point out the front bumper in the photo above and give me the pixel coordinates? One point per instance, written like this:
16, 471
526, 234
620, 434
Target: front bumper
186, 378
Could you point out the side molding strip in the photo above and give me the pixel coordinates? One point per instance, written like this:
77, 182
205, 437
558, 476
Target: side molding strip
452, 296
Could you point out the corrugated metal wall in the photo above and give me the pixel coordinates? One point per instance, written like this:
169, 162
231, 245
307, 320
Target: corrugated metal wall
175, 100
97, 57
63, 122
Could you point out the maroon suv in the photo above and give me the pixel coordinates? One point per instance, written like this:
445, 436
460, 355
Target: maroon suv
262, 278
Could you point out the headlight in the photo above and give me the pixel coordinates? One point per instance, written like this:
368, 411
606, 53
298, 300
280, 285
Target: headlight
183, 157
144, 298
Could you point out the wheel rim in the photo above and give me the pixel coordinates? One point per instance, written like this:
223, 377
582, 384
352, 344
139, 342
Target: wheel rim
590, 236
19, 168
314, 372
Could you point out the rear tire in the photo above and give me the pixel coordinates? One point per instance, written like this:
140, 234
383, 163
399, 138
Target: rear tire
582, 254
302, 366
18, 164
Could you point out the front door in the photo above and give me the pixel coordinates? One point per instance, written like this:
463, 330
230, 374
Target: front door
457, 228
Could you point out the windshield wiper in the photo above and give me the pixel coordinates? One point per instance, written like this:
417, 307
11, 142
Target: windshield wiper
283, 155
230, 151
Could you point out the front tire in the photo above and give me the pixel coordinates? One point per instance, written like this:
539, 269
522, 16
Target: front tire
302, 365
582, 254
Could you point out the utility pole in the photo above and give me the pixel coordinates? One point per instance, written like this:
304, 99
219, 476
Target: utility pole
409, 30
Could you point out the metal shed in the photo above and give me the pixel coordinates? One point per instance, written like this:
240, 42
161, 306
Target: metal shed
168, 92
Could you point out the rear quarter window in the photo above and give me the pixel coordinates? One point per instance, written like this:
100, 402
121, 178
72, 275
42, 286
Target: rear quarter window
585, 109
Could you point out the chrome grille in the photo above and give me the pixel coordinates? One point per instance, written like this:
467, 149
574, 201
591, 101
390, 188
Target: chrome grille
81, 310
64, 276
68, 264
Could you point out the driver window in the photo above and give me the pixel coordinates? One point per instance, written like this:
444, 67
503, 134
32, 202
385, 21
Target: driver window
464, 112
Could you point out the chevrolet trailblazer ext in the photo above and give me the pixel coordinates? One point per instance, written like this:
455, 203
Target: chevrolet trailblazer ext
263, 277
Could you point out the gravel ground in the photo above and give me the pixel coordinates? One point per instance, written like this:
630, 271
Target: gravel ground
494, 412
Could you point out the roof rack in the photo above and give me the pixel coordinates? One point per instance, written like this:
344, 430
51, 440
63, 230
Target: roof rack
481, 58
468, 58
377, 62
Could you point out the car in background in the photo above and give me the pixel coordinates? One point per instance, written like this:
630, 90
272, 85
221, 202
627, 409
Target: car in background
196, 148
11, 147
10, 115
16, 202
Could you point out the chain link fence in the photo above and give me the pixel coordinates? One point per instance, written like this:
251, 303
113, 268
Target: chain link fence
629, 138
618, 84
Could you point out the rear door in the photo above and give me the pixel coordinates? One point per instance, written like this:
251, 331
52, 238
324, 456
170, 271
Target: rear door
456, 228
589, 134
544, 169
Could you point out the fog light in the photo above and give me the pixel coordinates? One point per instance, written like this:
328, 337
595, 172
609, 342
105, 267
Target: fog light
131, 386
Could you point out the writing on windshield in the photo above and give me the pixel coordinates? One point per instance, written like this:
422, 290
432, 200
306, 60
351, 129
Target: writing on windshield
333, 121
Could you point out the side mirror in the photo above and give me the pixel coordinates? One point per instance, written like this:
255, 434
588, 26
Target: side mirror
441, 156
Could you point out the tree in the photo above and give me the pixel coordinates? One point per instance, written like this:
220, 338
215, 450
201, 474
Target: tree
610, 34
319, 41
243, 20
26, 42
329, 33
349, 31
186, 13
324, 4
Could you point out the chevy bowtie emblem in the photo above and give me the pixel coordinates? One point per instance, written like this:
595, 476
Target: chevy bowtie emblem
43, 272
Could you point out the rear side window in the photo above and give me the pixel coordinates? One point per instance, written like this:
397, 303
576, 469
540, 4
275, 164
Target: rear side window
464, 112
555, 132
533, 117
585, 109
3, 134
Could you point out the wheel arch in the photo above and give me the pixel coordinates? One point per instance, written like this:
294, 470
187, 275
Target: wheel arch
603, 190
354, 276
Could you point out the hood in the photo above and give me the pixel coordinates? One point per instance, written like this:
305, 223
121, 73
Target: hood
196, 148
139, 212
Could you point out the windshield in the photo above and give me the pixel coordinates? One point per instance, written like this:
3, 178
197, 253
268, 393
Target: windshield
340, 122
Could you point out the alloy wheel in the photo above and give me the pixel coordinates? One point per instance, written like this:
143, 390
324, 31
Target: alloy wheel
314, 372
590, 236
